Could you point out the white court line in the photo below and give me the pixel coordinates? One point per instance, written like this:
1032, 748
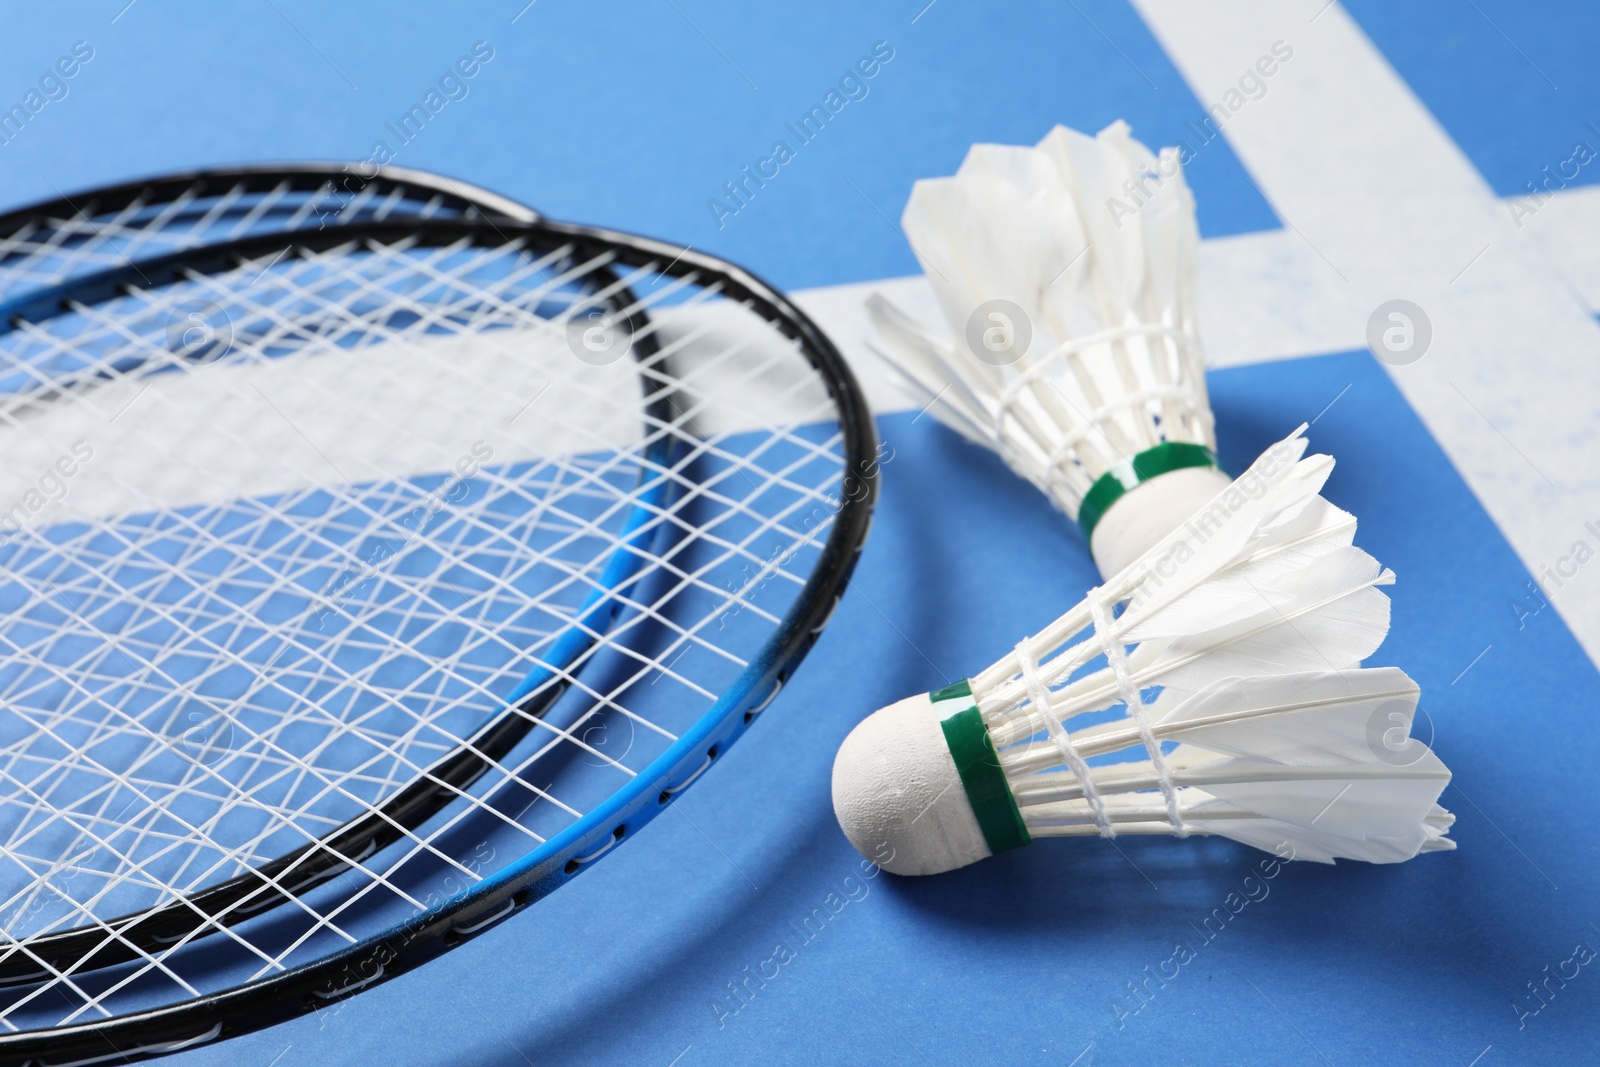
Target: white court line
1566, 228
1369, 181
1346, 152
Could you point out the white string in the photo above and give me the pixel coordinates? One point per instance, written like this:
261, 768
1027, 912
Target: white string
1053, 454
1065, 449
1036, 369
1128, 689
51, 249
94, 765
1039, 694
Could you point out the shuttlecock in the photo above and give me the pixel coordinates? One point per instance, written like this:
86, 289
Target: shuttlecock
1251, 619
1067, 273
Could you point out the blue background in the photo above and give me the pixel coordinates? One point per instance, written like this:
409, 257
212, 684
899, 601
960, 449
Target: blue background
633, 115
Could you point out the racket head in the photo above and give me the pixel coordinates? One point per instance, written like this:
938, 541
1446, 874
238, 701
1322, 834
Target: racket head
45, 243
710, 464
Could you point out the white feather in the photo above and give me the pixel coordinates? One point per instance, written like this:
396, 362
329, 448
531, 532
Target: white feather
1291, 841
1309, 759
1115, 364
1328, 616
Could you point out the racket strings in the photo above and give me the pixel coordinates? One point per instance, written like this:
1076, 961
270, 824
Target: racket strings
298, 943
672, 429
740, 467
51, 247
637, 306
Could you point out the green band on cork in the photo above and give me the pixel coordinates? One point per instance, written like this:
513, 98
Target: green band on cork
1164, 458
979, 767
956, 691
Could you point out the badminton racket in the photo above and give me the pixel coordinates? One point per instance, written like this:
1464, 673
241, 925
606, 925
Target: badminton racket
451, 555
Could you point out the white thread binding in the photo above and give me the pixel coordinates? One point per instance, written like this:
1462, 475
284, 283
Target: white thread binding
1117, 660
1027, 377
1039, 694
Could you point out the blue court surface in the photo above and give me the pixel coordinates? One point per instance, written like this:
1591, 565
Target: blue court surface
1443, 151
